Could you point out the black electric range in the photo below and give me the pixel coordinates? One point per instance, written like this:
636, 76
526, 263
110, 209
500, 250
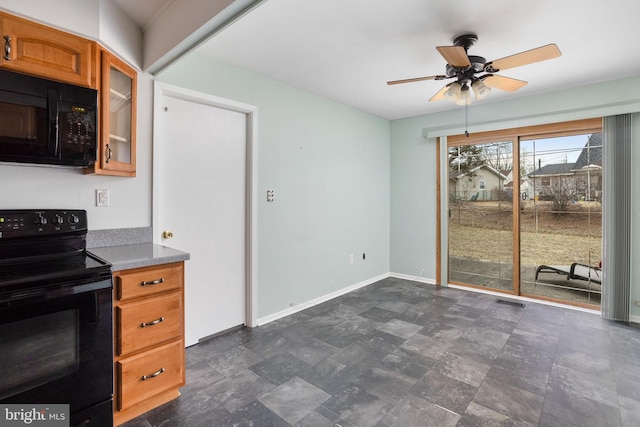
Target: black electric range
55, 316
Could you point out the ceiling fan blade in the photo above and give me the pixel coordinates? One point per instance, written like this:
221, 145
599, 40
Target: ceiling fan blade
416, 79
503, 83
455, 56
542, 53
440, 95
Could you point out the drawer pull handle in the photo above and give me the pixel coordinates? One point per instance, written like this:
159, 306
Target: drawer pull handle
155, 322
153, 282
155, 374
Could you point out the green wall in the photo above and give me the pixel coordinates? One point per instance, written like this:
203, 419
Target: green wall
329, 167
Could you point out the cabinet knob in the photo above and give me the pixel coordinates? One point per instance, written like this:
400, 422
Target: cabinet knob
167, 234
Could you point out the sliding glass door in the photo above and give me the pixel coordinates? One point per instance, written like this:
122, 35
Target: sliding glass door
525, 212
481, 215
561, 218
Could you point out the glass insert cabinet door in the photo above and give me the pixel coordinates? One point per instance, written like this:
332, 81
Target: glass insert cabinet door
119, 84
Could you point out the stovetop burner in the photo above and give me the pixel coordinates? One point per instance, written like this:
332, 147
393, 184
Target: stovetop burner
51, 271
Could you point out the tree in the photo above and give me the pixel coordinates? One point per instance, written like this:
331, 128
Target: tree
464, 158
499, 155
561, 191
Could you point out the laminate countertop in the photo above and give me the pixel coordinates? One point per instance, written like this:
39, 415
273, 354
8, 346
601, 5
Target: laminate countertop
125, 257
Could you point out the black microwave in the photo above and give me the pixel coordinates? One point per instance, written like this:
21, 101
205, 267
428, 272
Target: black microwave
46, 122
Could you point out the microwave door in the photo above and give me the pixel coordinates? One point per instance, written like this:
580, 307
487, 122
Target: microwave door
25, 128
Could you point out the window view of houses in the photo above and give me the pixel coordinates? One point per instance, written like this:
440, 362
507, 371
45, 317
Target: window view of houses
556, 204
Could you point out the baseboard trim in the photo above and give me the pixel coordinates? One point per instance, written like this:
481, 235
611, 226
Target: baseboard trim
413, 278
299, 307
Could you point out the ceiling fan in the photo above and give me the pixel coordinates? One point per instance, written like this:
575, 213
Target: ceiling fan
466, 69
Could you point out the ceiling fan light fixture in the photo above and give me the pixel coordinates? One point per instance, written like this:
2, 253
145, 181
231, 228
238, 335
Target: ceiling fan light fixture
480, 89
464, 98
453, 93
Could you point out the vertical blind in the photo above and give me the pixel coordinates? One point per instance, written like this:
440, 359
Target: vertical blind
616, 288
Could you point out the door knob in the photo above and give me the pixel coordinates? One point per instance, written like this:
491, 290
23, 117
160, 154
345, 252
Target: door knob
167, 234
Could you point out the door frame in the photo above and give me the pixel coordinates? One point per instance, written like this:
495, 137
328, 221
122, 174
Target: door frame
515, 134
162, 90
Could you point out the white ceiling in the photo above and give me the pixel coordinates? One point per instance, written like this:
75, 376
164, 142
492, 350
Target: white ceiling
347, 50
143, 12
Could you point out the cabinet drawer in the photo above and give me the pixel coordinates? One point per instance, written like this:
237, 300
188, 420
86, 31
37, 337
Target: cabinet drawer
148, 281
148, 322
150, 373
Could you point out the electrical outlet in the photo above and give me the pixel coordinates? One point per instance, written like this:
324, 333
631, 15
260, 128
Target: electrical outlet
351, 259
271, 195
102, 198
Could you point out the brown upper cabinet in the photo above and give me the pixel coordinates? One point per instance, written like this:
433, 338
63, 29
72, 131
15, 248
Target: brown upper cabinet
31, 48
117, 148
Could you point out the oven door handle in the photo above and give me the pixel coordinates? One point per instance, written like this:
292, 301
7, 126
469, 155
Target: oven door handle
50, 294
93, 286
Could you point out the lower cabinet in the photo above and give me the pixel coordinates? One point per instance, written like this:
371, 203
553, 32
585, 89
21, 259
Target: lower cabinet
149, 338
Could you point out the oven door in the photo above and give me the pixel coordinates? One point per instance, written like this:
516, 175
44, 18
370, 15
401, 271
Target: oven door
57, 346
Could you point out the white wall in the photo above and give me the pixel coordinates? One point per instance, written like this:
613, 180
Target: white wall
329, 167
180, 25
118, 33
79, 17
42, 187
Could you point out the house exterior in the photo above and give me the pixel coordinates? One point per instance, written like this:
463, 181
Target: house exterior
581, 180
481, 183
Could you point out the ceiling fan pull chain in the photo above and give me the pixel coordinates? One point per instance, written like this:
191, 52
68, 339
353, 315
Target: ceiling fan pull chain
466, 120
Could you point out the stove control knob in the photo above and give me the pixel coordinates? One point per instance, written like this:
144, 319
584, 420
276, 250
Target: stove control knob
58, 220
73, 219
40, 220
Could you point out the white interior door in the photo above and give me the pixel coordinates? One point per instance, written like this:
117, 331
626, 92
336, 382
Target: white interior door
200, 185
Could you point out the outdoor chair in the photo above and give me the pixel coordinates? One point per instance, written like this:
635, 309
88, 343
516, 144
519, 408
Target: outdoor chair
576, 270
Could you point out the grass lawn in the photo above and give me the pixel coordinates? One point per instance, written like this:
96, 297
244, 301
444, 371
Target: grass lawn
483, 231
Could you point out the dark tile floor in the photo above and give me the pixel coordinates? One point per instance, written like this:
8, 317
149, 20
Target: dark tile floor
401, 353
